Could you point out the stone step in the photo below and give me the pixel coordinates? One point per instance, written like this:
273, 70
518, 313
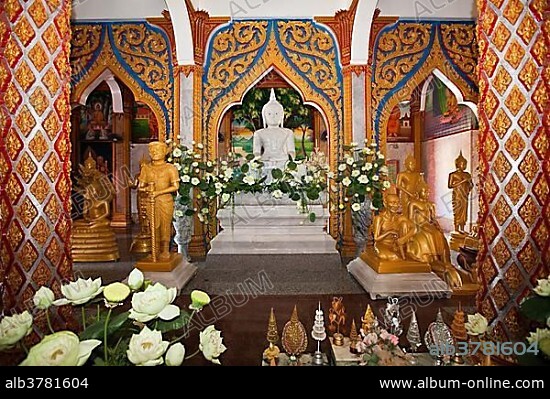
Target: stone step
283, 265
306, 228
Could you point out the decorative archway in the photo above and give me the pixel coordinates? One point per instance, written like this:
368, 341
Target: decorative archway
407, 53
139, 54
303, 52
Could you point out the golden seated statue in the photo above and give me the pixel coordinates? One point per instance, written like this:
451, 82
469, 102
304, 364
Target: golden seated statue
392, 234
93, 239
429, 244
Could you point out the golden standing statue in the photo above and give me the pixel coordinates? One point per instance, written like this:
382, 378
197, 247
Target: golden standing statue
407, 183
460, 182
159, 180
142, 242
93, 239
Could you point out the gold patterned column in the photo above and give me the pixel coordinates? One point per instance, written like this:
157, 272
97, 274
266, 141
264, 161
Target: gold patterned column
513, 144
35, 204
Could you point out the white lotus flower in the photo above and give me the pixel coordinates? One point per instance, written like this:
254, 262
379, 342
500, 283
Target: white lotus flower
278, 194
384, 170
355, 173
342, 167
175, 355
225, 197
308, 179
178, 213
543, 287
43, 298
79, 291
375, 178
185, 179
14, 328
135, 279
211, 344
350, 160
356, 207
248, 179
147, 348
228, 173
155, 301
195, 164
62, 348
538, 335
368, 166
195, 181
346, 181
200, 146
477, 324
363, 179
386, 184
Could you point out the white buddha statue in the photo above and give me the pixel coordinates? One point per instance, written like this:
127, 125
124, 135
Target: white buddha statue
276, 141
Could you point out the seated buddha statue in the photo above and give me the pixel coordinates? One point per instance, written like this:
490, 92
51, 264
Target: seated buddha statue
93, 239
392, 231
428, 243
274, 143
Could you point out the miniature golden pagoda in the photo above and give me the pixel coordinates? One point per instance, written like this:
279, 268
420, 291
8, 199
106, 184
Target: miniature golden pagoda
294, 336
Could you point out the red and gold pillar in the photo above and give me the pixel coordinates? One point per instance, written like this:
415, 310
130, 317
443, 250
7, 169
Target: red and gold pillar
35, 149
513, 141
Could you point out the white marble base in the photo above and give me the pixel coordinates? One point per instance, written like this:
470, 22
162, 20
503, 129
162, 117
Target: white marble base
178, 277
260, 224
381, 286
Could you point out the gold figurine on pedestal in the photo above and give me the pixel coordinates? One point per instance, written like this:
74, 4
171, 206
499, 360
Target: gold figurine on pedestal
142, 242
158, 180
337, 320
460, 182
93, 239
271, 353
369, 321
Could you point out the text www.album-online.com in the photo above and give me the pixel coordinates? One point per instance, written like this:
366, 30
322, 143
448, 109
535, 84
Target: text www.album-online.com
481, 383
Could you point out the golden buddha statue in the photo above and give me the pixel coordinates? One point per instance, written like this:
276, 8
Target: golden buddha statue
93, 239
407, 183
159, 180
428, 244
392, 233
460, 182
142, 242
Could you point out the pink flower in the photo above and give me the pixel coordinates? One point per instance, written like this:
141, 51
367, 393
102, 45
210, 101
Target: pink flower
393, 339
384, 335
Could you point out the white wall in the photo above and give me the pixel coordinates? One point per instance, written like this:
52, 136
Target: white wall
438, 160
139, 9
117, 9
425, 9
399, 151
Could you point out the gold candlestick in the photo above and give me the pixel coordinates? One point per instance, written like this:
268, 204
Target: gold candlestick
151, 190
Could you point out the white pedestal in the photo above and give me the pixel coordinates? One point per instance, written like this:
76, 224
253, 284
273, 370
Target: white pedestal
261, 224
381, 286
178, 277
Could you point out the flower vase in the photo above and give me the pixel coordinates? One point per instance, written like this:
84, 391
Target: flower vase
362, 220
183, 225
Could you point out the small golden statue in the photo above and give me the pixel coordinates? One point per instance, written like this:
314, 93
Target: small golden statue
93, 239
142, 242
337, 320
159, 180
369, 321
353, 338
294, 336
407, 183
460, 182
271, 354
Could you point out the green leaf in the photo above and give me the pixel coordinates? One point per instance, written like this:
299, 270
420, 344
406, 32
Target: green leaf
203, 186
292, 165
189, 212
277, 173
313, 195
536, 308
171, 325
285, 187
312, 217
295, 197
245, 168
95, 331
249, 157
